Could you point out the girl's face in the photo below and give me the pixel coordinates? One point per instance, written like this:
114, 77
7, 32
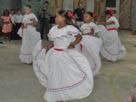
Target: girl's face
108, 16
87, 18
27, 10
59, 19
18, 12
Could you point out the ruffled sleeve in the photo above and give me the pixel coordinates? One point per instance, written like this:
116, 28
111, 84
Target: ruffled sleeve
73, 30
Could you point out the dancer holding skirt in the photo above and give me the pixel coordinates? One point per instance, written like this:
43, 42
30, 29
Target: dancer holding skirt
112, 49
64, 71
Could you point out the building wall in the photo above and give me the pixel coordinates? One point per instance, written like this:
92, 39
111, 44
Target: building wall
125, 14
5, 4
90, 5
126, 9
99, 8
36, 4
133, 13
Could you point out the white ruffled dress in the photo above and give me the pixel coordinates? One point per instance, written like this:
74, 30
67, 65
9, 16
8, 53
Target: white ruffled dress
65, 73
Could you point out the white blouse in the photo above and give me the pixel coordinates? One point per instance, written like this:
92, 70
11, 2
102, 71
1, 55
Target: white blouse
18, 18
87, 27
27, 18
62, 37
116, 23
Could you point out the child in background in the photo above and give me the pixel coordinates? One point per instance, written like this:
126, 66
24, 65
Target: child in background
112, 49
29, 35
90, 45
18, 19
6, 24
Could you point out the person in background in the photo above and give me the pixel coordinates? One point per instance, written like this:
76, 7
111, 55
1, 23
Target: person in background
112, 49
6, 24
30, 36
44, 19
79, 12
12, 15
18, 22
90, 45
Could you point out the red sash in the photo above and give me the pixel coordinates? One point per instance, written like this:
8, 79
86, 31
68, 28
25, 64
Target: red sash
58, 49
110, 29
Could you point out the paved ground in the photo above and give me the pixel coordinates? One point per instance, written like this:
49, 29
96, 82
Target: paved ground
19, 84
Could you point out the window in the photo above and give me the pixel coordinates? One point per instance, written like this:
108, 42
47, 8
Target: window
110, 3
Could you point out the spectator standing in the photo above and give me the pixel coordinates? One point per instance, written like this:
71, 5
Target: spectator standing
6, 24
79, 12
44, 19
18, 22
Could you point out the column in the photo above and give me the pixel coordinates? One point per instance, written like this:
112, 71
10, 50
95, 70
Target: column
68, 4
133, 14
118, 8
16, 4
90, 5
5, 4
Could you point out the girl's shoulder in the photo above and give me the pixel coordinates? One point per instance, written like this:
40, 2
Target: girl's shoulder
72, 30
5, 17
92, 24
30, 15
71, 27
113, 18
54, 28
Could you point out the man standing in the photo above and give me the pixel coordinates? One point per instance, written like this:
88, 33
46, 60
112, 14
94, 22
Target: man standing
44, 18
79, 12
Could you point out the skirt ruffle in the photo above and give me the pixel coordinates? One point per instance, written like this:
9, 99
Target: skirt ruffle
66, 75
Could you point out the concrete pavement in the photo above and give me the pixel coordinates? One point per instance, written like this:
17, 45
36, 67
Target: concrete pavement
19, 84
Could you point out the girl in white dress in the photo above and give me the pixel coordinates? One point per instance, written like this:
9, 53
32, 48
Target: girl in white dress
112, 48
90, 45
62, 70
29, 35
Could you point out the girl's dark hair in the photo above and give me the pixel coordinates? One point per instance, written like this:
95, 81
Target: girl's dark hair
46, 2
18, 9
6, 12
90, 13
109, 12
29, 6
68, 16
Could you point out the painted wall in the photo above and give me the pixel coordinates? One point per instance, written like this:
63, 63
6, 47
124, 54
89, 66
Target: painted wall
36, 4
5, 4
133, 13
68, 4
90, 5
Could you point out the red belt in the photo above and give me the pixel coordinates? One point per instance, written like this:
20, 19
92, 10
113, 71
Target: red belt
109, 29
57, 49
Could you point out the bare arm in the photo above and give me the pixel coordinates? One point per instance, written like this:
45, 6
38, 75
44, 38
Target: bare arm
77, 40
48, 46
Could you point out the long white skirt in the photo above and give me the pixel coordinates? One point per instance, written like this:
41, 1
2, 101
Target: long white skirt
112, 48
66, 74
30, 38
90, 46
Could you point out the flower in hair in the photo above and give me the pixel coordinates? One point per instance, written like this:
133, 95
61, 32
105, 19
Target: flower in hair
70, 14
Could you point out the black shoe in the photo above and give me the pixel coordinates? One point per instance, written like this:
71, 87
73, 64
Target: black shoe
1, 42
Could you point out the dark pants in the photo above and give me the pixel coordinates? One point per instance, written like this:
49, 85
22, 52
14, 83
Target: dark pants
44, 28
16, 27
